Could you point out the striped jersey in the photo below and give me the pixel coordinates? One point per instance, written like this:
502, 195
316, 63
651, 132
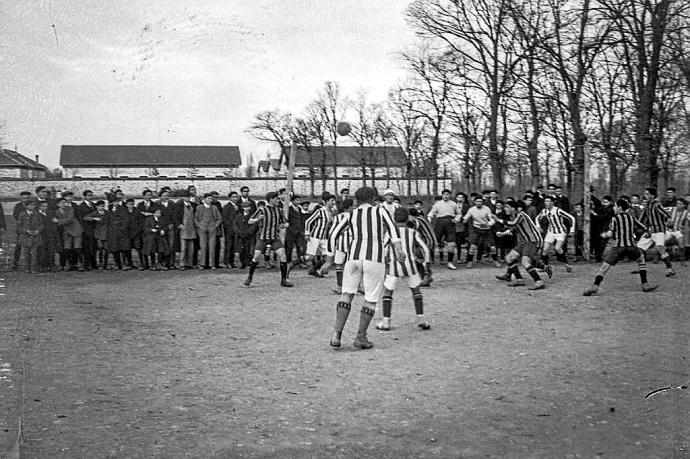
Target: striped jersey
421, 224
270, 225
342, 242
525, 229
369, 225
317, 224
623, 228
678, 219
410, 239
557, 218
655, 217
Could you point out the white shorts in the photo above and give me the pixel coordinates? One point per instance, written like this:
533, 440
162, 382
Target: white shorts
391, 282
675, 237
316, 246
552, 238
371, 274
646, 243
339, 257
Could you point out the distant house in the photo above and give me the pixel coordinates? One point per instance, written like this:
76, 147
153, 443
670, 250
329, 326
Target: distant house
14, 165
147, 161
351, 161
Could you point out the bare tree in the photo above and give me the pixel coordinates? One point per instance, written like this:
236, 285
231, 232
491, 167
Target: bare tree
332, 106
571, 36
480, 34
273, 126
407, 126
430, 92
613, 116
642, 29
303, 133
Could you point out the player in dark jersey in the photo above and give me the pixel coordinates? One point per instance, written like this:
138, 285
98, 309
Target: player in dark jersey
406, 269
655, 218
529, 243
422, 226
272, 219
621, 232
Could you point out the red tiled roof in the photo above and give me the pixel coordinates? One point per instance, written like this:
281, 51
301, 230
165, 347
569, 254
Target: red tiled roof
10, 159
149, 156
352, 156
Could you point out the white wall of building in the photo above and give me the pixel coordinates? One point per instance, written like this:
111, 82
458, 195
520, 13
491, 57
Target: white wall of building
136, 172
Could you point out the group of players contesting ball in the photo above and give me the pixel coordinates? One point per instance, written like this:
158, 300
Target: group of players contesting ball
375, 246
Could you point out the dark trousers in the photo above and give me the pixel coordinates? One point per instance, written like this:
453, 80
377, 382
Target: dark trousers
244, 247
294, 240
89, 249
229, 254
216, 252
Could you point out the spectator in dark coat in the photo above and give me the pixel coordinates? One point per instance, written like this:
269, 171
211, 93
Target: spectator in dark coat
101, 218
155, 239
88, 244
245, 234
135, 229
20, 207
228, 215
118, 242
167, 208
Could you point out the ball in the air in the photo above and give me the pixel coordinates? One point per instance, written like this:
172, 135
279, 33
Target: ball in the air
344, 128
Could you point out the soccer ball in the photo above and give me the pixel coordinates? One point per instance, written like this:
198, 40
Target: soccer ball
344, 128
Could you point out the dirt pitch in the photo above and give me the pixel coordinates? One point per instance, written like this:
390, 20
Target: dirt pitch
177, 364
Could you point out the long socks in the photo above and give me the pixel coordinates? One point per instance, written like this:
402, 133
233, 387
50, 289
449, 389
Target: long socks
533, 272
418, 301
365, 316
387, 306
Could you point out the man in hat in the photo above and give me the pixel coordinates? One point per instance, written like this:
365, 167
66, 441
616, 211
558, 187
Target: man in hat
389, 202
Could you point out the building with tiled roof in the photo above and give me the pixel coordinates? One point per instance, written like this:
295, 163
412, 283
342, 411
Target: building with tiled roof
14, 165
145, 161
345, 161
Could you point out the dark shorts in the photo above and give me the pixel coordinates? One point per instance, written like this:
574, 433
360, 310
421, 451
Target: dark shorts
614, 254
460, 238
445, 230
481, 238
528, 249
262, 244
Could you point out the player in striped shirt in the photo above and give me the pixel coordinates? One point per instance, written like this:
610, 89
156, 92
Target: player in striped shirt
557, 230
370, 225
422, 226
528, 246
338, 248
272, 219
656, 218
406, 269
621, 231
316, 232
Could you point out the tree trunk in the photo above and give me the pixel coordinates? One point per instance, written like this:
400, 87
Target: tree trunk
614, 184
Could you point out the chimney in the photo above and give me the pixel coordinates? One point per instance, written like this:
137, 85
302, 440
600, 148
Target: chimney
36, 158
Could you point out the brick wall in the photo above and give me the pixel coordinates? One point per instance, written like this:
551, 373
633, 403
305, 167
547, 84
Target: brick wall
10, 188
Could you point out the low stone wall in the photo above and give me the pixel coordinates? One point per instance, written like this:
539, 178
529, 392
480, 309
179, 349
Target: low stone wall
10, 188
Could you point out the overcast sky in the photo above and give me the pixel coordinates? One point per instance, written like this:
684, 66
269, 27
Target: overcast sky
164, 72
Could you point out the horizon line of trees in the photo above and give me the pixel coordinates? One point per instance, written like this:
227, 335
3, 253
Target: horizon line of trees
508, 90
